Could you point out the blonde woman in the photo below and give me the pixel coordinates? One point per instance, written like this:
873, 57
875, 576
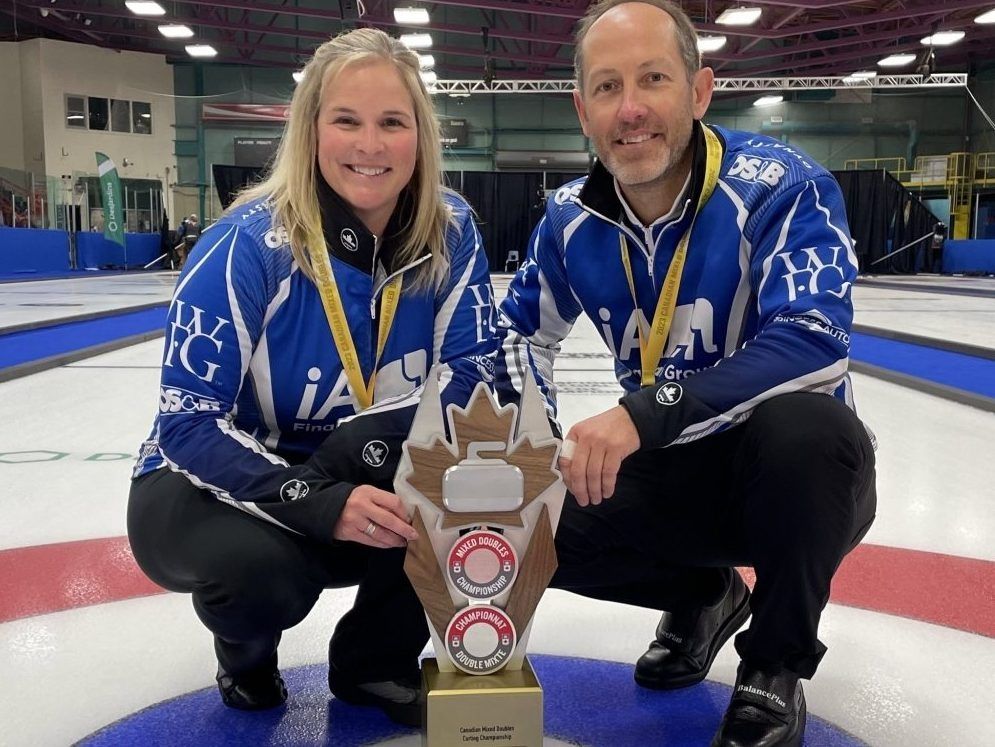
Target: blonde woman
267, 474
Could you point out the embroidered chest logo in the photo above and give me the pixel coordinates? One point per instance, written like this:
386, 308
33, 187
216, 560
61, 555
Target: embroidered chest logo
349, 240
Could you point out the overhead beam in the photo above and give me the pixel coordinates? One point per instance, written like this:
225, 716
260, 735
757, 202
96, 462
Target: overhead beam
828, 82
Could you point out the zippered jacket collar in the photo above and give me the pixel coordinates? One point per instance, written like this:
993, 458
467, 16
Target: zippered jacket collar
350, 241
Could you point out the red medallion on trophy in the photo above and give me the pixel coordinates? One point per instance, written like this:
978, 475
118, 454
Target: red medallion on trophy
480, 638
482, 564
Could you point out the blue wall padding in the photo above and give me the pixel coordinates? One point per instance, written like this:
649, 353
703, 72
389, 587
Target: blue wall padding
969, 255
941, 366
36, 344
94, 251
34, 250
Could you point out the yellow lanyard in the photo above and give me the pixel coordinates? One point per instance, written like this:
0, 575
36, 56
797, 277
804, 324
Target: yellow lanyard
651, 349
339, 324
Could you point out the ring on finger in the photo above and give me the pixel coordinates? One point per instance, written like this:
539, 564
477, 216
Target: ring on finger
370, 529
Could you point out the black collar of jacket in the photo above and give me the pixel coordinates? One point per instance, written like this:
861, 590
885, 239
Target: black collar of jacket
350, 241
599, 194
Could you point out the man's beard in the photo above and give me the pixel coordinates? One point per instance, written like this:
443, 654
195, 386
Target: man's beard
647, 171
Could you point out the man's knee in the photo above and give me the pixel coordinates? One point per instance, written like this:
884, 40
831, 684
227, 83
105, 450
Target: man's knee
804, 433
810, 463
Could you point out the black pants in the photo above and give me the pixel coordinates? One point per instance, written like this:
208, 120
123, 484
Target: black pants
789, 492
251, 580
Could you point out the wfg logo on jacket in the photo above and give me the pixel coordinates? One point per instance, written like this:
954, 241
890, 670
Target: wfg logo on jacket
821, 272
188, 337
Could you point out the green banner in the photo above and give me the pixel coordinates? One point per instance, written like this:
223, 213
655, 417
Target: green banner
110, 192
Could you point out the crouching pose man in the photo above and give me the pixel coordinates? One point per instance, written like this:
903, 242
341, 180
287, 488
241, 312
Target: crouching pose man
717, 267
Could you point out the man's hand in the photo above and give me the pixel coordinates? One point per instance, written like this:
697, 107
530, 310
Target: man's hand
601, 443
374, 517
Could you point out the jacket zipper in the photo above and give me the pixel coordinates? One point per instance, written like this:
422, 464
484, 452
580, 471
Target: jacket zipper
376, 293
650, 255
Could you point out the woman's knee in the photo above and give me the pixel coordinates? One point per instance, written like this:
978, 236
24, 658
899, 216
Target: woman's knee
245, 589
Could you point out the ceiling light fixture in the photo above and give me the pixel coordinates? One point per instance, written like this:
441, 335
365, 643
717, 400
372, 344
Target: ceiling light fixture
175, 31
426, 61
768, 100
710, 43
429, 77
416, 41
145, 8
201, 50
298, 76
943, 38
897, 60
739, 16
411, 16
986, 17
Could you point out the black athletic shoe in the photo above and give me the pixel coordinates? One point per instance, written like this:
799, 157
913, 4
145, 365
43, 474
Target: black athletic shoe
687, 642
253, 691
401, 699
767, 710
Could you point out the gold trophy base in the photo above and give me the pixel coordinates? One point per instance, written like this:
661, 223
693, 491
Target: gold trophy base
503, 709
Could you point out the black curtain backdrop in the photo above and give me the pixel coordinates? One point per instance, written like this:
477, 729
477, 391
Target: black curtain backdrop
453, 180
883, 216
228, 180
556, 179
508, 205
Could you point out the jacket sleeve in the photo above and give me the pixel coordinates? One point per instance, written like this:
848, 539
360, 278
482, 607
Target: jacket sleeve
464, 340
802, 269
214, 323
536, 315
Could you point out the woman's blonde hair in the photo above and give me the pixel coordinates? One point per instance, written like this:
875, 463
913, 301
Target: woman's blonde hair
291, 183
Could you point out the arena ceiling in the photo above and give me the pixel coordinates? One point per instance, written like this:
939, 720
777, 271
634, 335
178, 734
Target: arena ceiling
523, 38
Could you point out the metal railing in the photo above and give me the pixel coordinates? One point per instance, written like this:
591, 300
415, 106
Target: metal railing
888, 164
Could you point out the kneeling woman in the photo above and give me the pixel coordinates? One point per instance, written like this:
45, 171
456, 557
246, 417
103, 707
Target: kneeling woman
299, 332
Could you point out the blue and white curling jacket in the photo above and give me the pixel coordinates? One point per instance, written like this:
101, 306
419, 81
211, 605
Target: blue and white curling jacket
253, 394
763, 308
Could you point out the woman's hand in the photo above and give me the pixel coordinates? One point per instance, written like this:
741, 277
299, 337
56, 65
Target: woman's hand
374, 517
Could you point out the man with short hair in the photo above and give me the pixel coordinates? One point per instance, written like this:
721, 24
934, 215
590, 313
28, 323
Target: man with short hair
187, 234
717, 268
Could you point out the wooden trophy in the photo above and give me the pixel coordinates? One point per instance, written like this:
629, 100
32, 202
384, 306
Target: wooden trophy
485, 503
